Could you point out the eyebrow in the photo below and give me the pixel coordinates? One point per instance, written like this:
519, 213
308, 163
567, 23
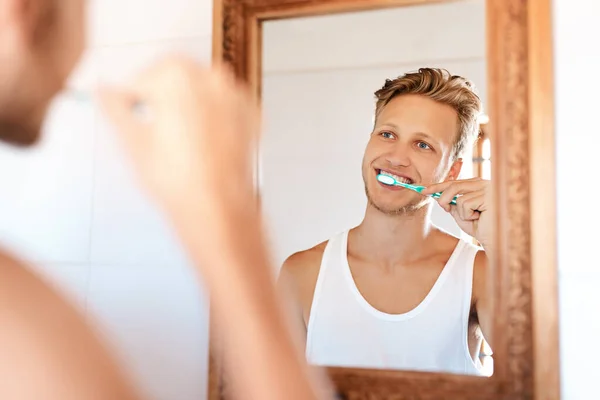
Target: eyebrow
391, 125
427, 136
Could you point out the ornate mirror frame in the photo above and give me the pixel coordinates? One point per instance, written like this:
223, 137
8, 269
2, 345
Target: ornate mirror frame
521, 110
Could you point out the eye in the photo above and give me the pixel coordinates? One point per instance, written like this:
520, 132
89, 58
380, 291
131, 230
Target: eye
423, 146
387, 135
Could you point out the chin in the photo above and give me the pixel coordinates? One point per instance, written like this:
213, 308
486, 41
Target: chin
23, 126
395, 206
22, 135
392, 206
394, 210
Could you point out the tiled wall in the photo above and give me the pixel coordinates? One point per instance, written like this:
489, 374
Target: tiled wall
71, 204
73, 207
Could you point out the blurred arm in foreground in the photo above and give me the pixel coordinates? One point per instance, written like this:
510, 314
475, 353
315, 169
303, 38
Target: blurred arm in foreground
193, 154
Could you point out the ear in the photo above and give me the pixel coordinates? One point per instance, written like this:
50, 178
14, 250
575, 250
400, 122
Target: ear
455, 170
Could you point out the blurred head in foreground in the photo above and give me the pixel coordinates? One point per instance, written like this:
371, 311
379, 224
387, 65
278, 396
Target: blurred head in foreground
40, 43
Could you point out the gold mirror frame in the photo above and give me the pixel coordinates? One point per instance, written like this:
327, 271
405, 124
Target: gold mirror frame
521, 110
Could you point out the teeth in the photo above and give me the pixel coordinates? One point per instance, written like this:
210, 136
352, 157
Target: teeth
396, 177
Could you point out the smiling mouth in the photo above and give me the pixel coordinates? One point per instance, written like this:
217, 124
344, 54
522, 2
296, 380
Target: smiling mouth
396, 177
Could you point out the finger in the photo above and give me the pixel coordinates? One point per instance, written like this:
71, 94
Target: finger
449, 194
437, 187
470, 206
162, 83
118, 104
465, 183
453, 210
460, 189
119, 107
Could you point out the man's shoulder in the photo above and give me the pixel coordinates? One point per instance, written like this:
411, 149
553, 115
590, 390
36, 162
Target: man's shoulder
17, 277
447, 242
11, 266
299, 274
303, 263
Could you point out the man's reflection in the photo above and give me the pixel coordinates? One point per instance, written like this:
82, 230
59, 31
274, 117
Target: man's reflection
397, 292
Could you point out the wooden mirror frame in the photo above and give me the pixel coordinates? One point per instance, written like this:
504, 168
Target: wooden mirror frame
521, 110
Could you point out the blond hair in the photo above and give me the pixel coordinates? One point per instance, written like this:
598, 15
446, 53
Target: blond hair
439, 85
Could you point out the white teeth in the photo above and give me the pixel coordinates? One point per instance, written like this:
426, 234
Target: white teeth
396, 177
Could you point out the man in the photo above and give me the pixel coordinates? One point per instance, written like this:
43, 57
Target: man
397, 292
200, 122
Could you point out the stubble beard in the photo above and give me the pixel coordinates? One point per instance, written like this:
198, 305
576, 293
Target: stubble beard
406, 210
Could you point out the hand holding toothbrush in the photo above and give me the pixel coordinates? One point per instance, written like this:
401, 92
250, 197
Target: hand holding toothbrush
473, 203
193, 150
196, 138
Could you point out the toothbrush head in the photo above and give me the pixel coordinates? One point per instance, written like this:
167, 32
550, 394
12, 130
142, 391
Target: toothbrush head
386, 179
391, 181
138, 108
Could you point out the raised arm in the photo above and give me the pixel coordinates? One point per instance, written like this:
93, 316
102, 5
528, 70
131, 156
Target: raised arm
194, 153
483, 296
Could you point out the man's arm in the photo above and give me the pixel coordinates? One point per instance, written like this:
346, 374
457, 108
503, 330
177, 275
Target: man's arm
195, 153
483, 295
473, 214
48, 351
288, 293
263, 353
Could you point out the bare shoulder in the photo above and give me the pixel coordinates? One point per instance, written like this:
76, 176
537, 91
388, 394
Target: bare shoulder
303, 263
299, 275
7, 261
445, 242
15, 276
19, 281
67, 357
482, 294
26, 293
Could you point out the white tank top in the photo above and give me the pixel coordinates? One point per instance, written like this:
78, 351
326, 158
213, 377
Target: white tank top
345, 330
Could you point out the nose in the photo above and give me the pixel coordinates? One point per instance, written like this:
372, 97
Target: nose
399, 155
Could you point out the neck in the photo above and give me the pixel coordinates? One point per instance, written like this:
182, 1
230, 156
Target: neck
392, 239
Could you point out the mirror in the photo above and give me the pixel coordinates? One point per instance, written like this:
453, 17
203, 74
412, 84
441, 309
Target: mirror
381, 277
518, 97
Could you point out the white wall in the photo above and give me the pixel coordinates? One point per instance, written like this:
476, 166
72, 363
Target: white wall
577, 62
319, 79
72, 206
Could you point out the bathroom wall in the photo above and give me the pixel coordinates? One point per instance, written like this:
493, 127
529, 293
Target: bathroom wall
72, 206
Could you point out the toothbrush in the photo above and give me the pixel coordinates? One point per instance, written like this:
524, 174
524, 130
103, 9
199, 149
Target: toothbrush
138, 108
391, 181
79, 95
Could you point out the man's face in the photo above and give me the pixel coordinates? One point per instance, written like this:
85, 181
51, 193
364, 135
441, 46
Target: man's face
413, 140
40, 43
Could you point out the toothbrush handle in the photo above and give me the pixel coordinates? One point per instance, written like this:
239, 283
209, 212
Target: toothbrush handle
439, 194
